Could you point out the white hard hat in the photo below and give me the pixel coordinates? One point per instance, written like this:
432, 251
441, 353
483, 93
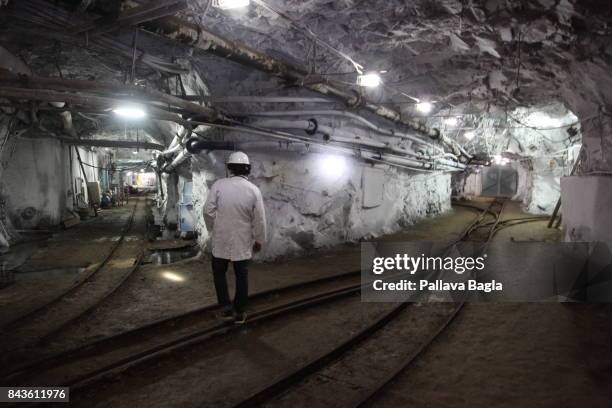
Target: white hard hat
238, 158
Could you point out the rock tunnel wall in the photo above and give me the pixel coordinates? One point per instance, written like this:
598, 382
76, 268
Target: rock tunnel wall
316, 201
37, 179
539, 145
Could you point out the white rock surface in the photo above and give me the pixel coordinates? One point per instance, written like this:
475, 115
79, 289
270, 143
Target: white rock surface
315, 201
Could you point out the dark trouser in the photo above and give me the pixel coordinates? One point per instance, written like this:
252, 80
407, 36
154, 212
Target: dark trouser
219, 267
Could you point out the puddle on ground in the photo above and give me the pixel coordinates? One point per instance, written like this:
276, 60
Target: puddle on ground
168, 256
107, 238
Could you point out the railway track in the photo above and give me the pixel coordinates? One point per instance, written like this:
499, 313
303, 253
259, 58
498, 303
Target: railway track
496, 224
85, 366
269, 394
22, 318
80, 366
26, 334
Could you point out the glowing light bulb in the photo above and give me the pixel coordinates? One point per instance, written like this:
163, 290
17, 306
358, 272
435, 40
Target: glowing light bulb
370, 80
499, 160
424, 107
230, 4
452, 121
332, 166
130, 111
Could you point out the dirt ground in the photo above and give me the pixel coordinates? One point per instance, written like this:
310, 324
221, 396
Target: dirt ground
528, 355
46, 269
514, 355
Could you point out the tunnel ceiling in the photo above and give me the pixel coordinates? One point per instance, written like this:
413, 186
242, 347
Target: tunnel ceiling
449, 50
505, 54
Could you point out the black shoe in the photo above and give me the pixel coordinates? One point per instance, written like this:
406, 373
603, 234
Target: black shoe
227, 315
240, 318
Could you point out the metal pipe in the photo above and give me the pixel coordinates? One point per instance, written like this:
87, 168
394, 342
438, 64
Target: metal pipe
177, 142
196, 145
122, 144
170, 152
396, 160
178, 160
455, 147
115, 92
335, 135
288, 137
15, 66
308, 126
256, 99
195, 36
79, 99
384, 131
352, 140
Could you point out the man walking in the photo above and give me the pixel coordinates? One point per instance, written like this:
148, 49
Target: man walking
235, 214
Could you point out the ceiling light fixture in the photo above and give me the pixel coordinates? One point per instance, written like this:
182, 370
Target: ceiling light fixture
424, 107
230, 4
452, 121
130, 111
369, 80
500, 160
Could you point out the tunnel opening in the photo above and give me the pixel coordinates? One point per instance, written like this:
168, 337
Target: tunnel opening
499, 181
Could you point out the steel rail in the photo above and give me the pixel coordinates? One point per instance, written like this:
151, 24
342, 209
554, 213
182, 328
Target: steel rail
284, 382
375, 391
276, 386
45, 337
207, 334
281, 384
19, 320
100, 346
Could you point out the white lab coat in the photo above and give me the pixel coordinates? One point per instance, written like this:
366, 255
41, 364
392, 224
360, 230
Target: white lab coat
235, 214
